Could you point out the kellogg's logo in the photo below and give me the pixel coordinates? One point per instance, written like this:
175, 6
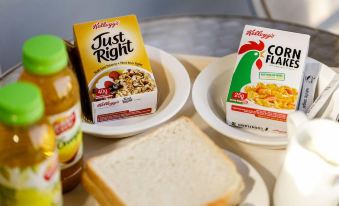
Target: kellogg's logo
105, 24
107, 103
260, 33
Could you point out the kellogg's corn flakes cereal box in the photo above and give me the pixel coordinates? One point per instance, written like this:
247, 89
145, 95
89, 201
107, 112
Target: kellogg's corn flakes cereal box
116, 68
267, 79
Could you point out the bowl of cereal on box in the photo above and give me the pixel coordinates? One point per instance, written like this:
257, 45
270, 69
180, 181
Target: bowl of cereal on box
271, 95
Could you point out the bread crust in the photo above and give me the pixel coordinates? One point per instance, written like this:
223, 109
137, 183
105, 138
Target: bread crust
225, 201
94, 190
233, 196
101, 187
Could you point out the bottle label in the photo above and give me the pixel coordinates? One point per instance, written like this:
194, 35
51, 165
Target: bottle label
37, 185
67, 127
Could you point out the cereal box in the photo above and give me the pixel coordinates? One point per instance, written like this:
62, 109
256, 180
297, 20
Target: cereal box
267, 79
116, 68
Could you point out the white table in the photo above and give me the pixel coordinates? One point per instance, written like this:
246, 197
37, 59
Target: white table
266, 161
217, 36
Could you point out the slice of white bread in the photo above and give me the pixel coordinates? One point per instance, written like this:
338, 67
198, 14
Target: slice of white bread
175, 165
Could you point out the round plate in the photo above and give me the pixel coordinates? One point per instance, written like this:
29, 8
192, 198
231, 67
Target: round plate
209, 95
255, 192
173, 85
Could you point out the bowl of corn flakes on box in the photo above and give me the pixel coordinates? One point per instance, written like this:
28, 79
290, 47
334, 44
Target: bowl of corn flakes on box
247, 96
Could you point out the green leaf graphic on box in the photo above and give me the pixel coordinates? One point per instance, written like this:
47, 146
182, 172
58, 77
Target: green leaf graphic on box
242, 73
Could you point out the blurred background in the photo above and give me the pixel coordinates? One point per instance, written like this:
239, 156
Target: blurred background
21, 19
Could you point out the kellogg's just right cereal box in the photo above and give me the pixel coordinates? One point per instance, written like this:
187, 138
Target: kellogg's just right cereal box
267, 79
116, 68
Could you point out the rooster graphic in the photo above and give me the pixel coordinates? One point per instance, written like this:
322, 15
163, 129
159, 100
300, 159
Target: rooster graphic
242, 74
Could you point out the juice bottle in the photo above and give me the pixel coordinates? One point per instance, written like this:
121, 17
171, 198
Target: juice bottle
45, 62
29, 168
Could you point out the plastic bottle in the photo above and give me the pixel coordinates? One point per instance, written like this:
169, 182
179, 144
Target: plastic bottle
45, 63
29, 168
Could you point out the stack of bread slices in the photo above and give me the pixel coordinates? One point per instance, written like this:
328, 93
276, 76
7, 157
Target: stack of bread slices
176, 165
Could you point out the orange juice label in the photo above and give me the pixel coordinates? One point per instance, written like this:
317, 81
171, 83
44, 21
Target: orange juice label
116, 68
67, 127
37, 185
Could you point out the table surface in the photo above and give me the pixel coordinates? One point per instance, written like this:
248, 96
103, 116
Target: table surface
220, 35
207, 36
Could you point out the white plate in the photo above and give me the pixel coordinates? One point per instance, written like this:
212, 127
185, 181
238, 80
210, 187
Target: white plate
255, 192
209, 95
173, 85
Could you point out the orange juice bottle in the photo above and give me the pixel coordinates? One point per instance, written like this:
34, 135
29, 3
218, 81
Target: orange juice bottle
29, 168
45, 62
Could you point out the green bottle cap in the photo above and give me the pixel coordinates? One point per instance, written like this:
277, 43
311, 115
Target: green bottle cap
44, 55
20, 104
